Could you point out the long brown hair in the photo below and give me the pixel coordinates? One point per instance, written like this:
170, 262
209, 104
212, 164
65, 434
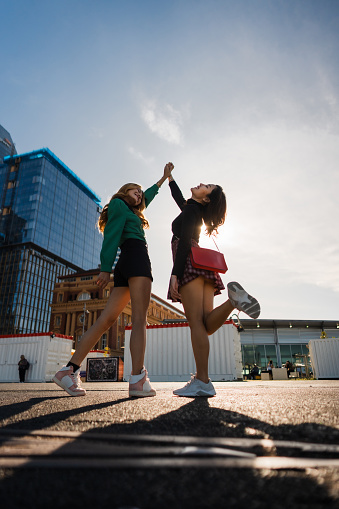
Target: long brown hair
215, 210
122, 193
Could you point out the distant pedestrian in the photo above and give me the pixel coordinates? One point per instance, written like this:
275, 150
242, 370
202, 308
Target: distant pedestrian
122, 222
270, 368
196, 288
289, 368
254, 372
23, 367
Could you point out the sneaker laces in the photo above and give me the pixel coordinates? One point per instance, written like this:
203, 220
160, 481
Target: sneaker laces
76, 379
193, 377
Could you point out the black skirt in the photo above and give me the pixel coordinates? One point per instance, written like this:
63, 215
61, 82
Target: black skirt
133, 262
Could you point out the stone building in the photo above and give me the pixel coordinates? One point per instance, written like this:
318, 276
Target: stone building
78, 302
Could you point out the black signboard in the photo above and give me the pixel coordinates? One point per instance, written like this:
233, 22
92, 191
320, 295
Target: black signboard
102, 369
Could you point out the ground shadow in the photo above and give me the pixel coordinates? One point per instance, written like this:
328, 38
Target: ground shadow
50, 419
182, 488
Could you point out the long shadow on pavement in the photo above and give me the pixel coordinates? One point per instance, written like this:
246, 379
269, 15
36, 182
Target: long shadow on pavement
182, 488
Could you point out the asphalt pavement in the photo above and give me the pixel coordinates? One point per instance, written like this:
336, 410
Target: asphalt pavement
255, 444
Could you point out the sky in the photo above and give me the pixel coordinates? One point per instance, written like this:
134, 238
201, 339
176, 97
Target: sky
240, 93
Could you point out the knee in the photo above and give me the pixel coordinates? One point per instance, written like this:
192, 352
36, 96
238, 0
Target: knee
197, 324
208, 330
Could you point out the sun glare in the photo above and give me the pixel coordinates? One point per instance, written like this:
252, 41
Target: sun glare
226, 236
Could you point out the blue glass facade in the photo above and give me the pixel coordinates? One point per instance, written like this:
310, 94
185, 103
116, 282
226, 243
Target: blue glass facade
7, 146
47, 229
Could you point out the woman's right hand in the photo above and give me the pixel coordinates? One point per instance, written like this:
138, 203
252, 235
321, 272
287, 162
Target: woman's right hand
103, 279
174, 288
168, 169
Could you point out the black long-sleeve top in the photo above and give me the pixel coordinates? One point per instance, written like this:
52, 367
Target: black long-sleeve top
185, 227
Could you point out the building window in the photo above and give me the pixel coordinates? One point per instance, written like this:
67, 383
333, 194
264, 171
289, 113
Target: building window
38, 178
103, 341
257, 354
60, 297
86, 278
57, 321
84, 296
106, 293
35, 197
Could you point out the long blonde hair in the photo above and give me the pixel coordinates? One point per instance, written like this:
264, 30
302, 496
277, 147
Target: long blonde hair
122, 193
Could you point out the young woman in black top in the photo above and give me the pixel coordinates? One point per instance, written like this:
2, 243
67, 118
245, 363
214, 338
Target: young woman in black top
196, 288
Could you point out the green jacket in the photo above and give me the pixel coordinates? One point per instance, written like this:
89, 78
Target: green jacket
122, 224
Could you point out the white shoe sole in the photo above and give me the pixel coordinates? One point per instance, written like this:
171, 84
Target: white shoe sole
251, 308
142, 394
71, 393
196, 395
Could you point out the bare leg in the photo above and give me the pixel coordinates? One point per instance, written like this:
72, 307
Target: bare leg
118, 299
192, 296
214, 318
140, 290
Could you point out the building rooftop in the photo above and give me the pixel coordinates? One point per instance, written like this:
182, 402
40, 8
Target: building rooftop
48, 154
248, 323
7, 146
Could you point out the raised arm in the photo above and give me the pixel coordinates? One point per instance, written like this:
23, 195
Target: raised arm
167, 173
176, 193
152, 191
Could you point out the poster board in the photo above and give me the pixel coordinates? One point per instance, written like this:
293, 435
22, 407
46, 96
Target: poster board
102, 369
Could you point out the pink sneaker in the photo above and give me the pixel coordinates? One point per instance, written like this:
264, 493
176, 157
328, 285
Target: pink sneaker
69, 381
140, 386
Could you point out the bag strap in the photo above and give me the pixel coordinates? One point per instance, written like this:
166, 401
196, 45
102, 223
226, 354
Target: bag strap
215, 244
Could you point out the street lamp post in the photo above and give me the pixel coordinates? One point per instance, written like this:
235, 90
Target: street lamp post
86, 312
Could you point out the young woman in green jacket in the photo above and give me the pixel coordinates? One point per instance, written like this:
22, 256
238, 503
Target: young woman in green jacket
122, 223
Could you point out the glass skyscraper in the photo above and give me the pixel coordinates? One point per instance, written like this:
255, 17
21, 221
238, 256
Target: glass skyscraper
7, 147
47, 229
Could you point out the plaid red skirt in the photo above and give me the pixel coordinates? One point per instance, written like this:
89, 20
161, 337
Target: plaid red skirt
191, 273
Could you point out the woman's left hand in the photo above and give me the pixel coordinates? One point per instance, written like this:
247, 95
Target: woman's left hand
168, 169
174, 288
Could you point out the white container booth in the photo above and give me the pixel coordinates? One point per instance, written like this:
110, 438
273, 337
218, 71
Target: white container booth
169, 356
45, 352
324, 355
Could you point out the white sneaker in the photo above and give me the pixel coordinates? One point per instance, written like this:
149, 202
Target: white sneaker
242, 300
69, 381
196, 387
140, 385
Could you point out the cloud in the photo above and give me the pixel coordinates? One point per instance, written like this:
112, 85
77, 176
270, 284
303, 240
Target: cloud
164, 121
138, 155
